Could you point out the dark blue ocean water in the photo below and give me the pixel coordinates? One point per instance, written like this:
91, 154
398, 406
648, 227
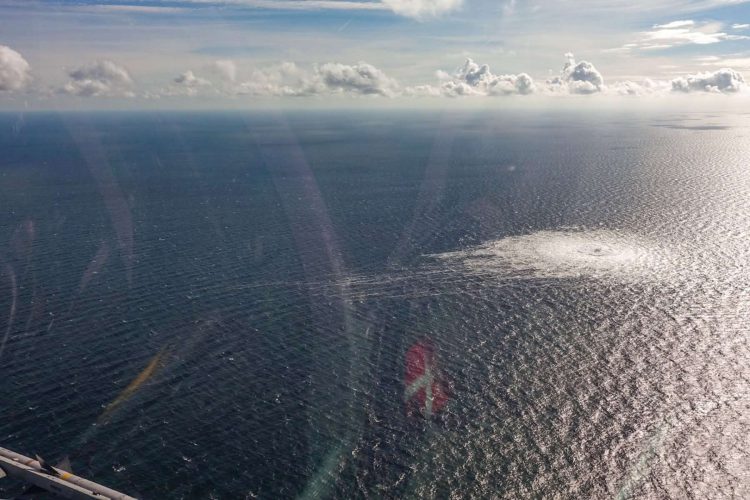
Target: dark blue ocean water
219, 305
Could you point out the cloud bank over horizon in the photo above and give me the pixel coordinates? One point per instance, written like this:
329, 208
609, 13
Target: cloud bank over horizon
106, 78
202, 53
472, 79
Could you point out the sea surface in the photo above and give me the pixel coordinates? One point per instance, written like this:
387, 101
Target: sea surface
218, 305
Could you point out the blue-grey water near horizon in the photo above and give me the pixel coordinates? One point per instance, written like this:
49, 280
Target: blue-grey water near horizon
218, 305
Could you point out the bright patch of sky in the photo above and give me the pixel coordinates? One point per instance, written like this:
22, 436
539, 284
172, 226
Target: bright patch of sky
55, 52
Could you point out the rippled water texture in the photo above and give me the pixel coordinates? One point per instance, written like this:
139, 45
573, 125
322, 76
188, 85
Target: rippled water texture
219, 306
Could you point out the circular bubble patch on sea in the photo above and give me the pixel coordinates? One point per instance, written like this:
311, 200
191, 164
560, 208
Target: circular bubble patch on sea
566, 253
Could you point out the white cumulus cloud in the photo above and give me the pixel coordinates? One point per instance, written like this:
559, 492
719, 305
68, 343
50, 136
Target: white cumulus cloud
577, 78
725, 80
420, 9
478, 79
188, 79
360, 78
15, 72
284, 79
100, 78
287, 79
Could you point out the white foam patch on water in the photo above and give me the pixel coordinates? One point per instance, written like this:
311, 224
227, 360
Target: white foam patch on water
567, 253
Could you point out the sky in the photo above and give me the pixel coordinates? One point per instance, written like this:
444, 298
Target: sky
91, 54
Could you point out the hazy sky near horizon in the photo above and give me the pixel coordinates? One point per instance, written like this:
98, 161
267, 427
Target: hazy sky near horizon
88, 52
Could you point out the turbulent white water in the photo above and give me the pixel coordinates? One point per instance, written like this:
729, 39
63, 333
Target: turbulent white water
567, 253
